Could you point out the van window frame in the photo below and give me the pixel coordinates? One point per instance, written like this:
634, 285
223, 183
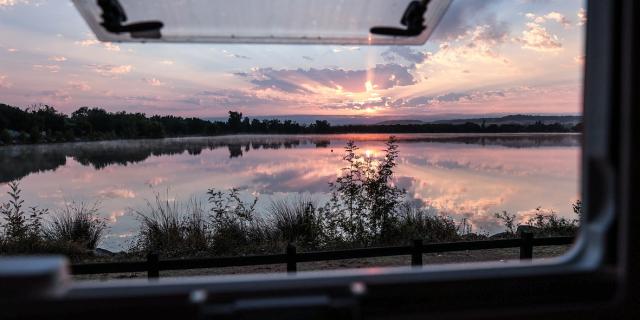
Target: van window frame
591, 279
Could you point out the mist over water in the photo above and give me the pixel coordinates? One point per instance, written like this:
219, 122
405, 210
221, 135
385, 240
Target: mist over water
461, 175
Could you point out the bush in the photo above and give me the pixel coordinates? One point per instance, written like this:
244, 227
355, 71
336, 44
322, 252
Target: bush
509, 222
415, 223
296, 221
544, 223
5, 137
548, 224
236, 229
22, 230
172, 229
363, 208
76, 223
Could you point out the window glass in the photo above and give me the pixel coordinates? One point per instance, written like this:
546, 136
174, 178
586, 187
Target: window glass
112, 151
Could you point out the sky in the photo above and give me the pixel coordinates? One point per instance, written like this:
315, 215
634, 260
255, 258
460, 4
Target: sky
485, 57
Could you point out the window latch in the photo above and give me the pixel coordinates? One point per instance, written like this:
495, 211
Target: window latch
113, 17
413, 19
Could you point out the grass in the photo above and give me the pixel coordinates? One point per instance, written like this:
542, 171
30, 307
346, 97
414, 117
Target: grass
296, 221
74, 231
76, 223
172, 228
417, 223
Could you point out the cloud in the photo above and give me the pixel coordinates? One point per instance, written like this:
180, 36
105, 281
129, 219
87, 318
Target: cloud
4, 82
536, 37
155, 181
553, 16
114, 193
487, 35
87, 43
404, 52
110, 70
167, 62
12, 50
114, 215
579, 59
11, 3
50, 68
307, 58
79, 85
57, 58
453, 97
582, 17
447, 98
382, 76
153, 82
141, 98
559, 18
462, 16
57, 95
234, 55
111, 47
229, 98
475, 49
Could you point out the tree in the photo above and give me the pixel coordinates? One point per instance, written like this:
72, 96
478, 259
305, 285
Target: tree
235, 121
5, 137
364, 203
384, 197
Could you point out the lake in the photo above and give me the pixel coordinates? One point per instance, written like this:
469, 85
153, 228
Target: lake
461, 175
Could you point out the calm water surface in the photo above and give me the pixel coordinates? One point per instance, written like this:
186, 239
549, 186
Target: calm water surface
469, 176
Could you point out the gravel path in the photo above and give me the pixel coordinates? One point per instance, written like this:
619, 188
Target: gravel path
432, 258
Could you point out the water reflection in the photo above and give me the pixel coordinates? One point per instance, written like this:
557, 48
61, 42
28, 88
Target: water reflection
468, 176
19, 161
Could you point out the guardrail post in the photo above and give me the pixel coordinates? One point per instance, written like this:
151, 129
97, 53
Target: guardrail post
526, 246
416, 253
291, 258
153, 265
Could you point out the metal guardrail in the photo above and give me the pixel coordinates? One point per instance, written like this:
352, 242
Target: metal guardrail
291, 257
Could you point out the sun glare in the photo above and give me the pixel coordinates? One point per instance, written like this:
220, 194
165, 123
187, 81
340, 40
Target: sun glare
368, 86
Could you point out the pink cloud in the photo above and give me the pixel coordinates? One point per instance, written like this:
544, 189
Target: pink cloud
4, 81
114, 192
53, 68
110, 70
153, 82
57, 58
79, 85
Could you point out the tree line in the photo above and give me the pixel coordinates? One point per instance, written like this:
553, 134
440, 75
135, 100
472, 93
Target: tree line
43, 124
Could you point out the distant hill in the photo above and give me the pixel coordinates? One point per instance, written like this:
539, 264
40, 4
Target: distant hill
399, 122
518, 119
386, 120
510, 119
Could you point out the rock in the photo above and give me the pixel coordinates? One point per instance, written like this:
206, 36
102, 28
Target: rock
525, 228
501, 235
103, 252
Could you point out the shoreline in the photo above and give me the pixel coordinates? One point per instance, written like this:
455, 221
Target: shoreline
383, 136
